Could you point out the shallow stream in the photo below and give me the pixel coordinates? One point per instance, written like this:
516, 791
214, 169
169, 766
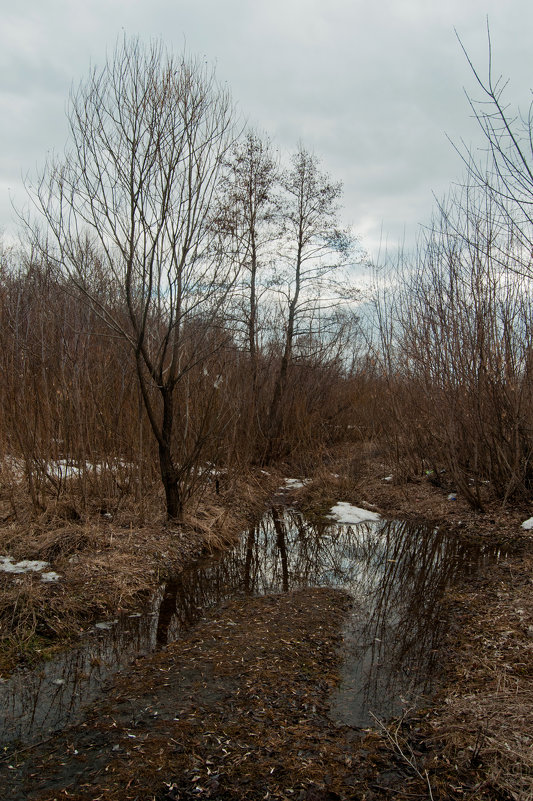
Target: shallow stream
395, 571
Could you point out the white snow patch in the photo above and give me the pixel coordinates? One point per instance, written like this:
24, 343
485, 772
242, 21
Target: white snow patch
528, 524
350, 515
61, 469
295, 483
50, 576
8, 565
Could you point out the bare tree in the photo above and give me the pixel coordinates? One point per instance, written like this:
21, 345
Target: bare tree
456, 339
249, 218
314, 249
130, 203
506, 172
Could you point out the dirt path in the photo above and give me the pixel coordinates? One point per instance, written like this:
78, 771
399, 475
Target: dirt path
236, 710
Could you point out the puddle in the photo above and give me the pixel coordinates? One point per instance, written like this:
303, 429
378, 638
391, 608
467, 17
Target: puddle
395, 572
391, 639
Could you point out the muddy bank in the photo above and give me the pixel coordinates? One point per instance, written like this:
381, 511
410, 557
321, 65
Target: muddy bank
479, 730
108, 564
236, 710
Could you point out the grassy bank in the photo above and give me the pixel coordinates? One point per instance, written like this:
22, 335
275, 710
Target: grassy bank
107, 562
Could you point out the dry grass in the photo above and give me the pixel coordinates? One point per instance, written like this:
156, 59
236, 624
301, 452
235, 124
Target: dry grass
108, 561
483, 725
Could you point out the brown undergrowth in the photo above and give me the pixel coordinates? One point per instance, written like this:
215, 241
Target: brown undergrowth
361, 474
482, 723
107, 561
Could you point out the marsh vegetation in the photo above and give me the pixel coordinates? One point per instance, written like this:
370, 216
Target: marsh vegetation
182, 329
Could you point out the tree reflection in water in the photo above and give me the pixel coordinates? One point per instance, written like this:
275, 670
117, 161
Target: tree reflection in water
395, 571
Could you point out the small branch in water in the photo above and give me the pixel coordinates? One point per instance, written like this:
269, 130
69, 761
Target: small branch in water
403, 749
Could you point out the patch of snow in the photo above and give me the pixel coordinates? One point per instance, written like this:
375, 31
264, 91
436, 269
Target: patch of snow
61, 469
50, 576
31, 564
8, 565
528, 524
350, 515
295, 483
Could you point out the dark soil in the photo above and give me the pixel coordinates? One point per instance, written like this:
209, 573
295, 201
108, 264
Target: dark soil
236, 710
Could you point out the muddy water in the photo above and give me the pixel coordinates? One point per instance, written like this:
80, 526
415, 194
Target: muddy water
395, 572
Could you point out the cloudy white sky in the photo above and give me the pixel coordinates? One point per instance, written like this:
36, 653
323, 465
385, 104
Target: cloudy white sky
372, 89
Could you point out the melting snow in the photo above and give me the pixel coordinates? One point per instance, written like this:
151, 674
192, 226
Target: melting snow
50, 576
294, 483
8, 565
528, 524
350, 515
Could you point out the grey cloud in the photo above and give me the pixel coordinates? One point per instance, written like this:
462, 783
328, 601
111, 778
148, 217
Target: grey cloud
371, 89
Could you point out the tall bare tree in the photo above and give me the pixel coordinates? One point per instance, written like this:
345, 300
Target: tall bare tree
250, 219
506, 171
130, 203
315, 247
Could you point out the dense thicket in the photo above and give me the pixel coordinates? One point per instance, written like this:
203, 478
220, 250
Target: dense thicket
454, 326
72, 413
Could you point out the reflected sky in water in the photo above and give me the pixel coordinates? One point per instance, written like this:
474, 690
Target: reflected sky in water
396, 573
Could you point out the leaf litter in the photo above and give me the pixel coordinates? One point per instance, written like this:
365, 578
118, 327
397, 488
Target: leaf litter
238, 709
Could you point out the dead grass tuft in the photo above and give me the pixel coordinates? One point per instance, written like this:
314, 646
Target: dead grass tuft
110, 561
482, 727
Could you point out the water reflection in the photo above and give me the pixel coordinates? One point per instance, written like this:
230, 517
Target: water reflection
392, 639
35, 702
395, 572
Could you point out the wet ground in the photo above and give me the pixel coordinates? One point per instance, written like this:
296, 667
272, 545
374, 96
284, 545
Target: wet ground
251, 697
395, 573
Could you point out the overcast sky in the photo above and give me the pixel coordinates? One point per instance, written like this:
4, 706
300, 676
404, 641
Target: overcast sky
372, 89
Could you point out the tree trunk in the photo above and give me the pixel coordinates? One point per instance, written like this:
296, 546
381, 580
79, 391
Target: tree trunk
275, 415
169, 474
170, 483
